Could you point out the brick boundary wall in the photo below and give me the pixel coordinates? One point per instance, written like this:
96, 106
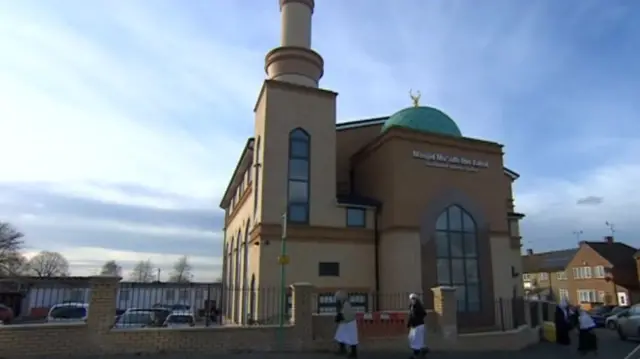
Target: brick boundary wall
306, 332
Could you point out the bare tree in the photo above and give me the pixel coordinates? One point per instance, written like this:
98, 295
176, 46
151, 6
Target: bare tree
111, 268
49, 264
142, 272
181, 272
11, 243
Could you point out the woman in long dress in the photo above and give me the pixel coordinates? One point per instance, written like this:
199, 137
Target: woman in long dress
587, 340
416, 327
562, 322
347, 331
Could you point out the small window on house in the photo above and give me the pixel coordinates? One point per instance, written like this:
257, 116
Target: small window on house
564, 294
599, 271
329, 269
356, 217
543, 276
526, 277
582, 272
561, 275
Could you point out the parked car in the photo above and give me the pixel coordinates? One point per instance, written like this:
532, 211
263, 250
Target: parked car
628, 325
612, 320
6, 314
173, 307
159, 314
599, 314
136, 319
68, 312
180, 319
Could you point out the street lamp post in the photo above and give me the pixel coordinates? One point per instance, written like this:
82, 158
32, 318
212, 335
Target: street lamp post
283, 260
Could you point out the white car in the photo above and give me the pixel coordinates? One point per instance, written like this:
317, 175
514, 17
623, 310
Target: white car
180, 319
68, 312
612, 321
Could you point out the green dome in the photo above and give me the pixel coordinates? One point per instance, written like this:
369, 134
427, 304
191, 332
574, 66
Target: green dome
423, 119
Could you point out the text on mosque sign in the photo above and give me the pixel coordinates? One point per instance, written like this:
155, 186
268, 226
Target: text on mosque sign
434, 159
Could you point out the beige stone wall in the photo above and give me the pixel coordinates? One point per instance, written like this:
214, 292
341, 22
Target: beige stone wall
306, 332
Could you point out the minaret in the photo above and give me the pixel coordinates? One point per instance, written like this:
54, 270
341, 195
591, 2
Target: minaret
294, 61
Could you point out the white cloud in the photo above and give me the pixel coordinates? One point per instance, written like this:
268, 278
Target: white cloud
119, 226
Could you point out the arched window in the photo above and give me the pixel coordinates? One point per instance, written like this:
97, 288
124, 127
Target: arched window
236, 283
256, 176
298, 179
457, 256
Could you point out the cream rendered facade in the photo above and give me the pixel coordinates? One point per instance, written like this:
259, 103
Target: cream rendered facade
392, 251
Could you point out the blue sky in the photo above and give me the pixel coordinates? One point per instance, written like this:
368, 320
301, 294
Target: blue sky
121, 121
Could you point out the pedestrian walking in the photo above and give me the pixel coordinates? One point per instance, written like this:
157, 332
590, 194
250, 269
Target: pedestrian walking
587, 339
417, 314
347, 330
563, 323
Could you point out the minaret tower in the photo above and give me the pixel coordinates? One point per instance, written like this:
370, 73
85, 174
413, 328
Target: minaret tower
295, 129
294, 61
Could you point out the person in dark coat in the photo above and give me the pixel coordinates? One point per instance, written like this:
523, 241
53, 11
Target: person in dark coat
587, 340
417, 314
563, 323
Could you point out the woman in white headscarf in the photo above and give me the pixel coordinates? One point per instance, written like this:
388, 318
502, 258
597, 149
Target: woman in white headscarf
563, 323
347, 331
416, 327
587, 340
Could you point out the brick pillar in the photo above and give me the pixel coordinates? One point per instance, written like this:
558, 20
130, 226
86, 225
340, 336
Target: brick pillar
446, 308
102, 305
302, 312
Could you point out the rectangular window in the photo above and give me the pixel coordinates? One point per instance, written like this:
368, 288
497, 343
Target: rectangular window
298, 213
526, 277
329, 269
587, 296
601, 296
356, 217
561, 275
582, 272
599, 271
543, 276
563, 293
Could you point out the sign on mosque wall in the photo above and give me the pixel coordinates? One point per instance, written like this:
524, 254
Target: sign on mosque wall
434, 159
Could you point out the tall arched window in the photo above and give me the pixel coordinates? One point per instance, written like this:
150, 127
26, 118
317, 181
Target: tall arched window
256, 177
236, 276
298, 179
457, 256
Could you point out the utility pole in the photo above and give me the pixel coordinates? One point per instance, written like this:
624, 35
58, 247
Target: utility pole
158, 275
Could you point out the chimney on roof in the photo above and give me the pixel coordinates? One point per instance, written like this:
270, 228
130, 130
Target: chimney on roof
529, 252
608, 239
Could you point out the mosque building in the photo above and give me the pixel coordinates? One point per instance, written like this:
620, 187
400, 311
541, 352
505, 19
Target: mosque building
375, 207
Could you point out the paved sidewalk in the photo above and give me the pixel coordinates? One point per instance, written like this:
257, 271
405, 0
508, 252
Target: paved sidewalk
610, 348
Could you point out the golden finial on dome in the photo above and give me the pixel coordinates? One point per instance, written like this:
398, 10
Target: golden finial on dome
415, 98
